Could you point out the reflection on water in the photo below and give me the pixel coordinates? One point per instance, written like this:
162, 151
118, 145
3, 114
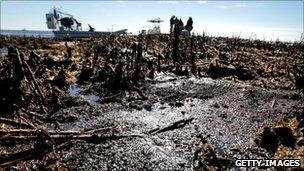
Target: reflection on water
75, 90
3, 51
91, 98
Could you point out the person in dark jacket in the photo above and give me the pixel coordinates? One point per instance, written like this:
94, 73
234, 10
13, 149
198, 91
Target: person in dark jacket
181, 23
179, 26
172, 23
189, 25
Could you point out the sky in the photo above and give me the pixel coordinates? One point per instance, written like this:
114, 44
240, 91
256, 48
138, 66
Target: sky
269, 20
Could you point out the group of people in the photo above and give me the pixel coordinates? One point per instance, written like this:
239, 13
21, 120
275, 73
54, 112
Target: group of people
177, 25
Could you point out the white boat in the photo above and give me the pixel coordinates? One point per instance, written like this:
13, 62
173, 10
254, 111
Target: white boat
64, 25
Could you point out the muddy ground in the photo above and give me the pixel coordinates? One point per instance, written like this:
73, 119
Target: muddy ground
167, 122
225, 113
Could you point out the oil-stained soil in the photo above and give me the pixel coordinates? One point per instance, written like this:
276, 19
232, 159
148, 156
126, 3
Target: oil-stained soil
128, 119
226, 114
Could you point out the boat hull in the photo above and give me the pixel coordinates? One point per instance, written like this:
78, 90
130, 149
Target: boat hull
79, 34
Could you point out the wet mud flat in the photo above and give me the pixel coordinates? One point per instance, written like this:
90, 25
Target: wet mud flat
126, 103
225, 114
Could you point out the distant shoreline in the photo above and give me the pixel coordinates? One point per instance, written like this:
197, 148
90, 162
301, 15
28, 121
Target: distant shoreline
50, 34
35, 33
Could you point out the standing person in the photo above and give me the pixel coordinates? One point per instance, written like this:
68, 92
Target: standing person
189, 25
181, 23
172, 23
177, 31
176, 26
179, 26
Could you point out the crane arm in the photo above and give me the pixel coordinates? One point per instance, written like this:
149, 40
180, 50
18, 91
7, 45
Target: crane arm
63, 13
76, 21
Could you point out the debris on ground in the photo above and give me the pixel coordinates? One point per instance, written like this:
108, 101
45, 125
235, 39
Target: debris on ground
142, 102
